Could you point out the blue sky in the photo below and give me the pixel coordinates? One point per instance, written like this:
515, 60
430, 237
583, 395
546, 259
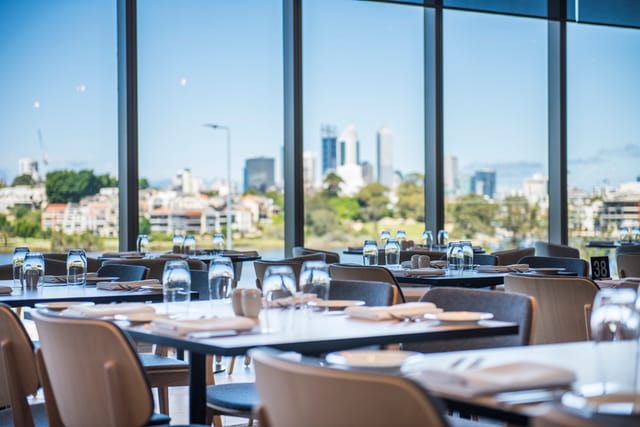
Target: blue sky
204, 61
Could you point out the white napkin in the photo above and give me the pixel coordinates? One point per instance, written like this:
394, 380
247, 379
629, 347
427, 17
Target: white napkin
495, 379
101, 310
130, 254
185, 326
425, 271
503, 268
627, 282
124, 286
386, 313
5, 290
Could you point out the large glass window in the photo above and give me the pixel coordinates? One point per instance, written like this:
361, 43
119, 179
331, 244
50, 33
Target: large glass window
58, 109
603, 147
363, 121
210, 77
495, 129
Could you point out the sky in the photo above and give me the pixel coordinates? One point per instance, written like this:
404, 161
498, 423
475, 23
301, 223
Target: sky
220, 61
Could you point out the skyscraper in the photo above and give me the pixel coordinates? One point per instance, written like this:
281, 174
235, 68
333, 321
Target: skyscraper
348, 147
483, 183
328, 135
451, 181
384, 151
259, 173
309, 170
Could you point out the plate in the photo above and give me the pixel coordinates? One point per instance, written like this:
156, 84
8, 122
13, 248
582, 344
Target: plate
614, 403
459, 316
369, 359
61, 305
548, 270
140, 317
335, 304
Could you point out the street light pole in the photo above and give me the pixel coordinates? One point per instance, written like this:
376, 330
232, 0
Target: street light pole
229, 217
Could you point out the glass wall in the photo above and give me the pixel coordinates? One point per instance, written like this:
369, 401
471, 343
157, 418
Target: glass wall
603, 145
363, 101
210, 80
495, 129
58, 137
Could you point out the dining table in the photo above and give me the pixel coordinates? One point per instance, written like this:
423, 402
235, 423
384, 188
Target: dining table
307, 332
453, 278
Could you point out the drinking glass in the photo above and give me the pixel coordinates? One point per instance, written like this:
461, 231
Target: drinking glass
142, 244
279, 290
178, 240
427, 239
189, 245
467, 255
76, 267
453, 255
384, 236
614, 318
370, 253
443, 238
17, 261
33, 270
218, 243
176, 287
221, 278
401, 236
392, 254
314, 279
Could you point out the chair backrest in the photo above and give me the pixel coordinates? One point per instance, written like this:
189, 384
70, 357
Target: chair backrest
553, 249
124, 272
372, 293
512, 256
95, 374
628, 265
628, 249
505, 306
329, 257
6, 272
296, 394
485, 259
295, 263
371, 273
92, 263
18, 377
561, 302
156, 265
200, 283
573, 265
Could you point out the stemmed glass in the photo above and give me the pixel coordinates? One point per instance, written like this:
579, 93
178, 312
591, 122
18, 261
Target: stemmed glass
279, 290
370, 253
314, 279
427, 239
218, 243
17, 261
76, 267
176, 287
221, 278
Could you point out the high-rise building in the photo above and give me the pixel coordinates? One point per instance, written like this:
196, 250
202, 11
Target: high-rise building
483, 182
451, 181
367, 172
28, 166
309, 169
384, 151
259, 173
329, 138
348, 147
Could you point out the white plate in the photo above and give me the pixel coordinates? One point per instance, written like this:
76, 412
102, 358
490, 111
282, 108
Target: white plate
140, 317
369, 359
548, 270
61, 305
459, 316
335, 304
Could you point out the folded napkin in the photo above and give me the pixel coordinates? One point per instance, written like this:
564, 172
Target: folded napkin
126, 286
5, 290
386, 313
183, 327
627, 282
426, 271
101, 310
129, 254
512, 268
495, 379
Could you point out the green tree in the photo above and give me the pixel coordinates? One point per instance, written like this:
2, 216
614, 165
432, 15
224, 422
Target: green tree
410, 194
143, 183
5, 229
107, 181
64, 186
471, 214
345, 207
332, 184
373, 201
24, 179
519, 218
144, 225
27, 224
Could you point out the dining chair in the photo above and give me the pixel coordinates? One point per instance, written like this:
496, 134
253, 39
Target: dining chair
373, 273
95, 375
485, 259
156, 265
512, 256
561, 304
329, 256
298, 394
372, 293
628, 265
555, 250
630, 248
571, 265
124, 272
295, 263
6, 272
504, 306
19, 377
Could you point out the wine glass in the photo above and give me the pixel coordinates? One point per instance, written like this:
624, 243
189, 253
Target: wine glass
370, 253
613, 318
17, 261
221, 277
33, 270
384, 236
189, 245
443, 238
142, 244
392, 253
76, 267
314, 279
218, 243
176, 287
279, 290
427, 239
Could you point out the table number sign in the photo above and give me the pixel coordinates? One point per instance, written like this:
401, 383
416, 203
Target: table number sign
600, 267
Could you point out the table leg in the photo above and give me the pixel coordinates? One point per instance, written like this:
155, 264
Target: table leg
197, 389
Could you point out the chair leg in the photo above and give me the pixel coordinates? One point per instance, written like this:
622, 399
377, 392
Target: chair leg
232, 363
247, 360
163, 399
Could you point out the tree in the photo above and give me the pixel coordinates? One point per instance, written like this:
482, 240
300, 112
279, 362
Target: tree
331, 184
410, 194
24, 179
144, 225
373, 201
27, 224
519, 218
64, 186
143, 183
107, 181
5, 229
471, 214
345, 207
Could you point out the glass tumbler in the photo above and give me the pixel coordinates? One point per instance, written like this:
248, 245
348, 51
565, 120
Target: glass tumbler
33, 270
76, 267
467, 255
370, 253
314, 279
279, 290
221, 278
176, 287
392, 253
427, 239
401, 235
17, 261
189, 245
178, 240
443, 238
218, 243
142, 244
384, 236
